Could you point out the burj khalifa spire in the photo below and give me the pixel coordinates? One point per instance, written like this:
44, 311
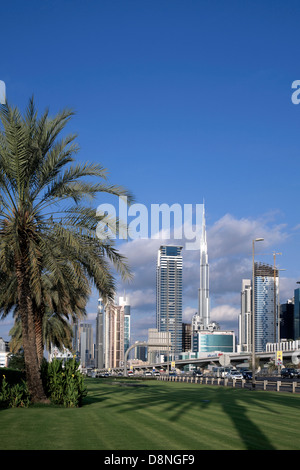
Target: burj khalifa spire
204, 304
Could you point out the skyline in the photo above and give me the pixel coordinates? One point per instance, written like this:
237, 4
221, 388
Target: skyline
180, 102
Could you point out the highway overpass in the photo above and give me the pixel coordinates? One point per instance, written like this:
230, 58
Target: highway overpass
236, 360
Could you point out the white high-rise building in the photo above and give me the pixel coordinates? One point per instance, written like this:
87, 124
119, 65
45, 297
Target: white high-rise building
99, 348
124, 302
266, 313
204, 304
169, 294
266, 287
245, 326
155, 337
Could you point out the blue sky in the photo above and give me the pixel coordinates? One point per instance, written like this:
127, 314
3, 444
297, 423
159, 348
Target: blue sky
180, 100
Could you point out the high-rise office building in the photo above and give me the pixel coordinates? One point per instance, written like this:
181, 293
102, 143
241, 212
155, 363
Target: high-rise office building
266, 311
86, 344
287, 320
114, 336
204, 303
124, 302
245, 327
186, 336
155, 338
76, 339
169, 294
140, 352
297, 314
99, 347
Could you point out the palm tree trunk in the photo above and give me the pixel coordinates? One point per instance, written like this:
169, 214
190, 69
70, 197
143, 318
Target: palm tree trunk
39, 337
33, 375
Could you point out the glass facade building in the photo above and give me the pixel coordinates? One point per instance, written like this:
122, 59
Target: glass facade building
266, 312
210, 342
169, 294
124, 302
287, 321
297, 314
86, 345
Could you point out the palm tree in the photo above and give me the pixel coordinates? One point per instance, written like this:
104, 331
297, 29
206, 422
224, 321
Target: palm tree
55, 331
59, 304
46, 223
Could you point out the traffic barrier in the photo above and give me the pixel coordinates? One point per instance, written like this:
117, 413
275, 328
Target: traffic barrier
279, 386
265, 384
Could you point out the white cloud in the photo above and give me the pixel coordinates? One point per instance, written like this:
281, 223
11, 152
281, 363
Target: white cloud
187, 314
142, 298
232, 236
230, 259
225, 313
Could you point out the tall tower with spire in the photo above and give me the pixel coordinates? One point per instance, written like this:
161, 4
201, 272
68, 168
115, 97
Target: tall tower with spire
204, 304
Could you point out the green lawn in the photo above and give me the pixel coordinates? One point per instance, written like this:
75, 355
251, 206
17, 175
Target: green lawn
154, 415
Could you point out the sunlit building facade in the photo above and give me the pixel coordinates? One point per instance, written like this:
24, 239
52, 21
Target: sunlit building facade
266, 312
169, 294
245, 328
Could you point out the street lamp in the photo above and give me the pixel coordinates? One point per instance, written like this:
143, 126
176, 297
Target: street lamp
253, 313
275, 300
279, 308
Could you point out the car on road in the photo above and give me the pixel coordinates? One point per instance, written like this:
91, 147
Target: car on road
148, 373
234, 374
197, 373
289, 373
156, 372
247, 374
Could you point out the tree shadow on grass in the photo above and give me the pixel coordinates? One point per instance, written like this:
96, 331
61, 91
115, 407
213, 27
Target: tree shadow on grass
96, 394
176, 400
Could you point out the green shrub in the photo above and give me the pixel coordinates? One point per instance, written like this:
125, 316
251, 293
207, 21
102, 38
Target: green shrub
63, 383
14, 396
12, 376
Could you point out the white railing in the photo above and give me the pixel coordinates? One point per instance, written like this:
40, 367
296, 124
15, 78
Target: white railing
277, 385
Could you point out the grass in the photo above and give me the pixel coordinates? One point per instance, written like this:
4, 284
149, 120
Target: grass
154, 415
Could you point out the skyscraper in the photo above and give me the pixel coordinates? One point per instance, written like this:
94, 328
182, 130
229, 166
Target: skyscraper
99, 348
186, 336
297, 314
86, 344
266, 313
287, 319
169, 294
124, 302
245, 328
114, 335
204, 304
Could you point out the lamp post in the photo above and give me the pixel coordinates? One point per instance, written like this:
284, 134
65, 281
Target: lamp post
253, 312
275, 300
278, 308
